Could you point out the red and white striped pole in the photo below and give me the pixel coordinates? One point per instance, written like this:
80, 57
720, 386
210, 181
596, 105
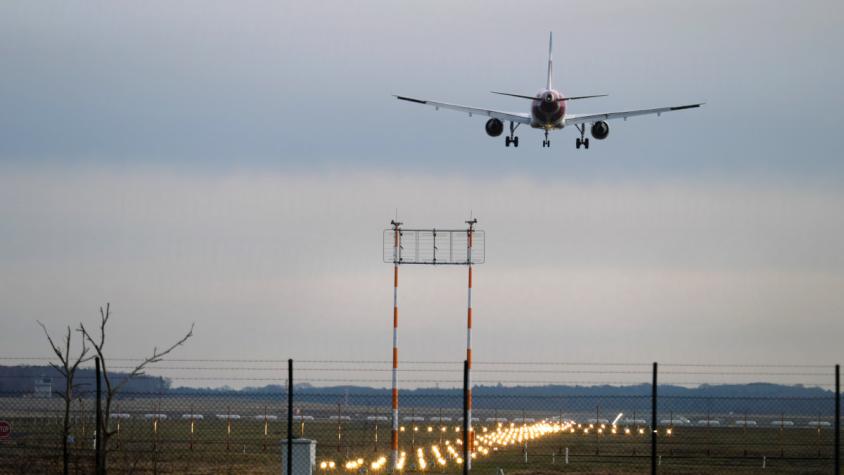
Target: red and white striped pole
471, 434
394, 445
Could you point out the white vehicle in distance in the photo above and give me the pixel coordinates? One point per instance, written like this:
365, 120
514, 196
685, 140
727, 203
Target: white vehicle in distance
819, 424
268, 417
228, 416
708, 422
745, 423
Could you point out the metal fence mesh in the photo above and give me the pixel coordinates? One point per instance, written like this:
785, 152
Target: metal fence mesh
588, 418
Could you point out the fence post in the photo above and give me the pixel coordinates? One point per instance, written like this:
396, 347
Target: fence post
290, 416
98, 432
467, 454
653, 422
837, 419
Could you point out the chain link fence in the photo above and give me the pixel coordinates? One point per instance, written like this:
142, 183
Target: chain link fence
539, 417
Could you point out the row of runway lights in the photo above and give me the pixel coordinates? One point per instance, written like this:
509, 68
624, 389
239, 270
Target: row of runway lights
485, 443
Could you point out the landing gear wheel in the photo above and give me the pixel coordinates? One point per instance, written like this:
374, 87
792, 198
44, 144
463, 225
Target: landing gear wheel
582, 140
512, 139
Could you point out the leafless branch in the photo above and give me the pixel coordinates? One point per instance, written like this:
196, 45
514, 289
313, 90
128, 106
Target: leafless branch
68, 371
98, 345
64, 355
55, 348
156, 357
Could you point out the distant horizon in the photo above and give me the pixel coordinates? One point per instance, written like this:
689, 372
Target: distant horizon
744, 375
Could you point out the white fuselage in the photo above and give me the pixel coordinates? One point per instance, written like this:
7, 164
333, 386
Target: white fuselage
548, 110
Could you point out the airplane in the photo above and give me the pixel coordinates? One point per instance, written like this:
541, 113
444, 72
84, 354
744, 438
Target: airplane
548, 112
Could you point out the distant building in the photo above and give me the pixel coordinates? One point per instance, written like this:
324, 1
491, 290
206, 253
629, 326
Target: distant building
43, 387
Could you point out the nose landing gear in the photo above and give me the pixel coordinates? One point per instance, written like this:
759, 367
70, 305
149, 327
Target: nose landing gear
582, 140
546, 142
511, 139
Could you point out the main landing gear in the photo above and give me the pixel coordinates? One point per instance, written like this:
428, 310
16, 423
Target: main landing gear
546, 142
511, 139
582, 140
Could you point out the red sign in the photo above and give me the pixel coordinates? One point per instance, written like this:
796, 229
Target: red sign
5, 430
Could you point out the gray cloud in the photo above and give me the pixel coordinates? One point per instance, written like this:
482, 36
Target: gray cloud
271, 265
294, 84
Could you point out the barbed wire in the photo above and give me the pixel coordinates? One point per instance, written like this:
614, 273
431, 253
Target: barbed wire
446, 362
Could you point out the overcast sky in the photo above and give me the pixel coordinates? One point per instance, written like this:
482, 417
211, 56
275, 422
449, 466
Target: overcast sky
234, 164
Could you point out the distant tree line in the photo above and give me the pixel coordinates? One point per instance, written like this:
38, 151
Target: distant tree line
752, 398
22, 379
740, 397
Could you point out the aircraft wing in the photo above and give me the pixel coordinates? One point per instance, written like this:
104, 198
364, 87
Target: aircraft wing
522, 118
574, 119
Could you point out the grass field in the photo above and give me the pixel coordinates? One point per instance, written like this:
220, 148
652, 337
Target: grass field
251, 444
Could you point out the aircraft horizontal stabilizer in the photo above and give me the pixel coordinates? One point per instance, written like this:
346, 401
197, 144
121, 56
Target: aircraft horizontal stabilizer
534, 98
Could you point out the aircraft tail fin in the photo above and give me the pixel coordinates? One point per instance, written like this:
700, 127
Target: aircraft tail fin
550, 63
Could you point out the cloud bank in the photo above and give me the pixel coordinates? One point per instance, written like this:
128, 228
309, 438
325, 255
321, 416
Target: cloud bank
278, 265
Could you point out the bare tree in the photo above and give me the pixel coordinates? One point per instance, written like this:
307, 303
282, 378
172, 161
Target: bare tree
67, 369
113, 388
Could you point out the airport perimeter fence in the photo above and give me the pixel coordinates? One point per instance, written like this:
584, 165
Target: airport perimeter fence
549, 417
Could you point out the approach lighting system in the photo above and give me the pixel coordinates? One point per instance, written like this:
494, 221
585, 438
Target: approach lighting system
434, 247
460, 247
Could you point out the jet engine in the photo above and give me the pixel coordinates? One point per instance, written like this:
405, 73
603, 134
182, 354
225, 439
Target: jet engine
494, 127
600, 130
